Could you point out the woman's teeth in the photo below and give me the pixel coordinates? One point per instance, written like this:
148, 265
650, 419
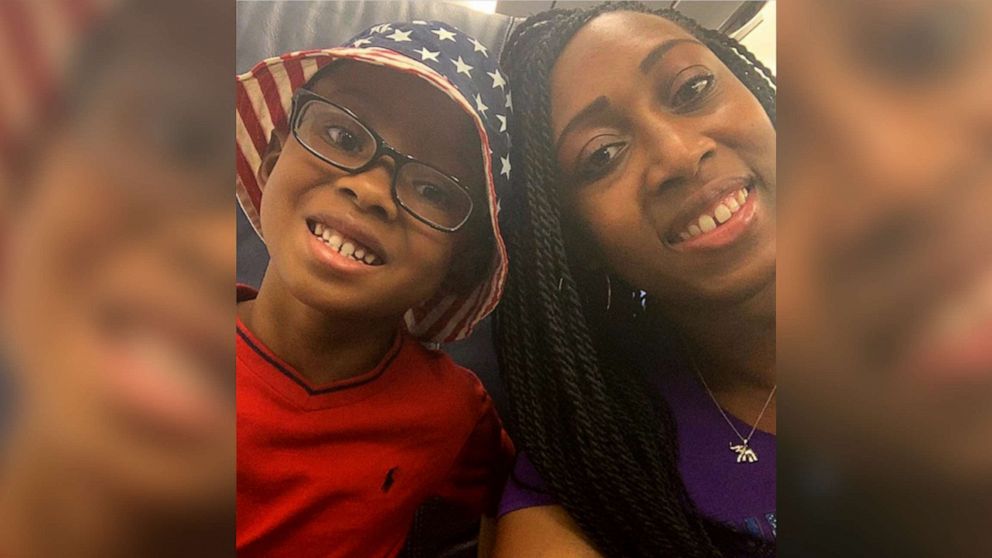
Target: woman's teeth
720, 215
345, 246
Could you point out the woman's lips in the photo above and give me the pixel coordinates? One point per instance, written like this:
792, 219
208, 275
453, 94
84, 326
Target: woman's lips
721, 222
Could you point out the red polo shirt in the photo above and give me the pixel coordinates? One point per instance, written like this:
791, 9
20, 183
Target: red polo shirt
339, 469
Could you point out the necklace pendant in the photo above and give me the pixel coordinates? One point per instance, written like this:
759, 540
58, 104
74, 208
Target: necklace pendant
744, 453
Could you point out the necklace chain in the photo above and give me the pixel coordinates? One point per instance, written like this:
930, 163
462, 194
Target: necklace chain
723, 413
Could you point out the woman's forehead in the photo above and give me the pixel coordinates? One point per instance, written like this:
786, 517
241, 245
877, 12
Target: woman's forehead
605, 53
617, 34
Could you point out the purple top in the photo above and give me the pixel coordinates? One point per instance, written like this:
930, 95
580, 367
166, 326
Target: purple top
738, 494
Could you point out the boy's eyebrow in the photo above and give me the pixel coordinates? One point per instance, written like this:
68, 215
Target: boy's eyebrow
592, 109
659, 51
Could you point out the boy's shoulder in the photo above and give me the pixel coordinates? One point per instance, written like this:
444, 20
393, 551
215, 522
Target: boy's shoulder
441, 377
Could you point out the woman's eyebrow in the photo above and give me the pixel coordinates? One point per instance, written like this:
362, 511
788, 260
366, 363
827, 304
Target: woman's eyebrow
592, 109
659, 51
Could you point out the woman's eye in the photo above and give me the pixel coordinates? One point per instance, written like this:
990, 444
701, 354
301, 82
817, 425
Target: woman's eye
342, 138
693, 90
602, 159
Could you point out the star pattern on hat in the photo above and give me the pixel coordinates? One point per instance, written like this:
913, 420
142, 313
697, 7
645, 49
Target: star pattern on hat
498, 80
509, 101
360, 42
462, 67
399, 36
506, 166
479, 47
502, 122
427, 55
479, 106
381, 28
443, 34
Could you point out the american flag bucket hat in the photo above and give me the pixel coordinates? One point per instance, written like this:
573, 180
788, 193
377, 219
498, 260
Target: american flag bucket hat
448, 59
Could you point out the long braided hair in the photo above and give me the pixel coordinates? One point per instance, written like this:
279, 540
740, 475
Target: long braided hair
601, 437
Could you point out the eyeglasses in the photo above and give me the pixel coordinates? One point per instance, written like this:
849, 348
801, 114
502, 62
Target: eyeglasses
335, 135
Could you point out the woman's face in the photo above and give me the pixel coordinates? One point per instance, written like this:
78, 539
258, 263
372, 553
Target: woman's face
667, 161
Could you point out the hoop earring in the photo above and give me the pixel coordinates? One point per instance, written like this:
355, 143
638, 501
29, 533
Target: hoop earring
609, 292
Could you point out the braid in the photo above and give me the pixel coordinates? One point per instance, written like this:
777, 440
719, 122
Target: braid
600, 436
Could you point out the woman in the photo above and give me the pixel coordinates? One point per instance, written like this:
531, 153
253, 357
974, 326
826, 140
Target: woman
637, 332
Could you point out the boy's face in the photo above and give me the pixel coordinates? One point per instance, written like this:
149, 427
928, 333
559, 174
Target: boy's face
411, 259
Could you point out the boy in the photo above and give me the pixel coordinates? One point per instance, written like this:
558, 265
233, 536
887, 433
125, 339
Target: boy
379, 162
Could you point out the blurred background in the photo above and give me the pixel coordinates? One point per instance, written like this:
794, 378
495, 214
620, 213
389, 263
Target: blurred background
117, 262
885, 278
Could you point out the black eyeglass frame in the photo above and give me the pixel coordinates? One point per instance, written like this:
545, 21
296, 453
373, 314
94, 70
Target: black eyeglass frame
303, 96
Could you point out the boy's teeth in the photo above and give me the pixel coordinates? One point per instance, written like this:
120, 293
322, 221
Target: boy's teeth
346, 247
721, 214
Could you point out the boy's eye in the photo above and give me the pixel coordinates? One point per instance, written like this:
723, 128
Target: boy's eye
434, 194
342, 138
600, 159
693, 89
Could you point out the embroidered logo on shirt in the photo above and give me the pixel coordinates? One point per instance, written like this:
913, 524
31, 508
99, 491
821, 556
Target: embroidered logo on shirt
387, 483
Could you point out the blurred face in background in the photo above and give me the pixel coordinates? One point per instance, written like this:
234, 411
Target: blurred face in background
118, 266
885, 319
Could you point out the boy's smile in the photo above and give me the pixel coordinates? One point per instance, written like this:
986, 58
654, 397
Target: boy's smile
346, 242
339, 242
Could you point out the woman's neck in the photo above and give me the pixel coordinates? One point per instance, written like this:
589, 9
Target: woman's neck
320, 347
733, 349
734, 345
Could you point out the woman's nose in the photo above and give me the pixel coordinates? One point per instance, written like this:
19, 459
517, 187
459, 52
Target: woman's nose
676, 151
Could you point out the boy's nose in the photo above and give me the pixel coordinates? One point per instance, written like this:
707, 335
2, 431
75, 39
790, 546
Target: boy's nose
371, 190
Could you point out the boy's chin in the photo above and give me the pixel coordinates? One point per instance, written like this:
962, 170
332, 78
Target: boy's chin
364, 307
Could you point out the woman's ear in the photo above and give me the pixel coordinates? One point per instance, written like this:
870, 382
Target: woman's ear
271, 156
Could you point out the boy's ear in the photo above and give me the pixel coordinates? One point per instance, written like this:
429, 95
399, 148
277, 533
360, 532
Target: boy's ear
272, 152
